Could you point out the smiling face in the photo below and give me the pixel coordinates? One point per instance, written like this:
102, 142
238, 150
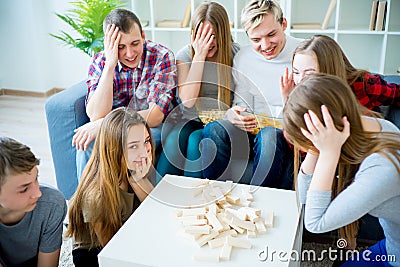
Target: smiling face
20, 192
130, 47
268, 38
138, 146
303, 65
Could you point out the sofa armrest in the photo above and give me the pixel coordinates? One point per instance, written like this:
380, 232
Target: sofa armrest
65, 111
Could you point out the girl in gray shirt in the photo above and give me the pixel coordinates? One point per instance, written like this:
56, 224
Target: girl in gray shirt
204, 84
352, 166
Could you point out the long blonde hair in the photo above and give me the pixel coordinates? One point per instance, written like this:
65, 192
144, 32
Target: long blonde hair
336, 95
330, 57
98, 189
216, 15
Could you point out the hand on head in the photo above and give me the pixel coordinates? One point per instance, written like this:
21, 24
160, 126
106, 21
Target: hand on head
325, 138
202, 40
112, 37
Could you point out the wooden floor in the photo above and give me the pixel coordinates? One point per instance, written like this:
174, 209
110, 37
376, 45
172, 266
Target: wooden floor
24, 119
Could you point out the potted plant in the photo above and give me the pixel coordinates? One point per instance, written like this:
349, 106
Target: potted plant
86, 19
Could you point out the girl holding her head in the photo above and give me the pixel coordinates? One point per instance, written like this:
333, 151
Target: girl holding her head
322, 54
204, 82
352, 166
114, 182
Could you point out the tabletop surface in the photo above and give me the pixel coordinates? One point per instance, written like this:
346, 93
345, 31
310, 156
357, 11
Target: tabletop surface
151, 237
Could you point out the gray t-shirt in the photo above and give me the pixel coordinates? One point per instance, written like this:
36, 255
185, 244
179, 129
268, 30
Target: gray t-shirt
375, 190
209, 87
39, 230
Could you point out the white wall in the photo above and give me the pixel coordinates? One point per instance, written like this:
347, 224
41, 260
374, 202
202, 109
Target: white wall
31, 59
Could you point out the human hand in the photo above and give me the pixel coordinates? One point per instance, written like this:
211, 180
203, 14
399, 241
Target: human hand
245, 123
287, 84
140, 169
325, 138
85, 134
201, 43
112, 37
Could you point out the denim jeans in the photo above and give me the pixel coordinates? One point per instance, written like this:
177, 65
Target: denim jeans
82, 157
226, 150
176, 149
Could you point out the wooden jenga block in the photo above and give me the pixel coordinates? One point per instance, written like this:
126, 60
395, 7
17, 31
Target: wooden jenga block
261, 227
251, 234
193, 211
209, 257
214, 222
238, 242
243, 224
205, 238
269, 219
195, 222
198, 229
225, 252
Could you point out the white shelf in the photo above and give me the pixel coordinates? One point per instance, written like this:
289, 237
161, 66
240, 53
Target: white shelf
376, 51
348, 26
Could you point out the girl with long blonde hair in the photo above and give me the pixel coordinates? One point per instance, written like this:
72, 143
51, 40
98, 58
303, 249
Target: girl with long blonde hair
114, 182
352, 166
204, 83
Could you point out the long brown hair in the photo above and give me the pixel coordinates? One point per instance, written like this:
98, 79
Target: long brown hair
330, 57
216, 15
98, 190
336, 95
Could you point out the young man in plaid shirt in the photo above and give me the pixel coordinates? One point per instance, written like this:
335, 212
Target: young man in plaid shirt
131, 71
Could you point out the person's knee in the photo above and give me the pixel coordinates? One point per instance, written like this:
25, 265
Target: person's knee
217, 130
267, 133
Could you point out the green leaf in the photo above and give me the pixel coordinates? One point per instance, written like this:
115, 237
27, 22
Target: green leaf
86, 20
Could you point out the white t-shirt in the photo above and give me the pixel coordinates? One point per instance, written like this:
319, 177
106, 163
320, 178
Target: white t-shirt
257, 80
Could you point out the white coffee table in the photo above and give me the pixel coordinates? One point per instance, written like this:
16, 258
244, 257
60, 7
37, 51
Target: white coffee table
150, 236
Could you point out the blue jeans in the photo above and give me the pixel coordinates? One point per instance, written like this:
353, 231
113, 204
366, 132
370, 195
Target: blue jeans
226, 151
375, 253
178, 146
82, 157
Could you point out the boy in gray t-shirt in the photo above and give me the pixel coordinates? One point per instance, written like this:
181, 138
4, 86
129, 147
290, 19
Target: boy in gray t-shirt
31, 216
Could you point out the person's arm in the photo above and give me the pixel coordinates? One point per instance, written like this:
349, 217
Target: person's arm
142, 188
100, 101
375, 183
48, 259
153, 115
189, 78
242, 101
51, 237
322, 214
305, 175
374, 91
161, 89
139, 181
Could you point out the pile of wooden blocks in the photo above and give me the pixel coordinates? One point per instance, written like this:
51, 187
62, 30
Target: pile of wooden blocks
224, 221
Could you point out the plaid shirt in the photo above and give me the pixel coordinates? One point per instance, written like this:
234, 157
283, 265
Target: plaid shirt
153, 80
373, 91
